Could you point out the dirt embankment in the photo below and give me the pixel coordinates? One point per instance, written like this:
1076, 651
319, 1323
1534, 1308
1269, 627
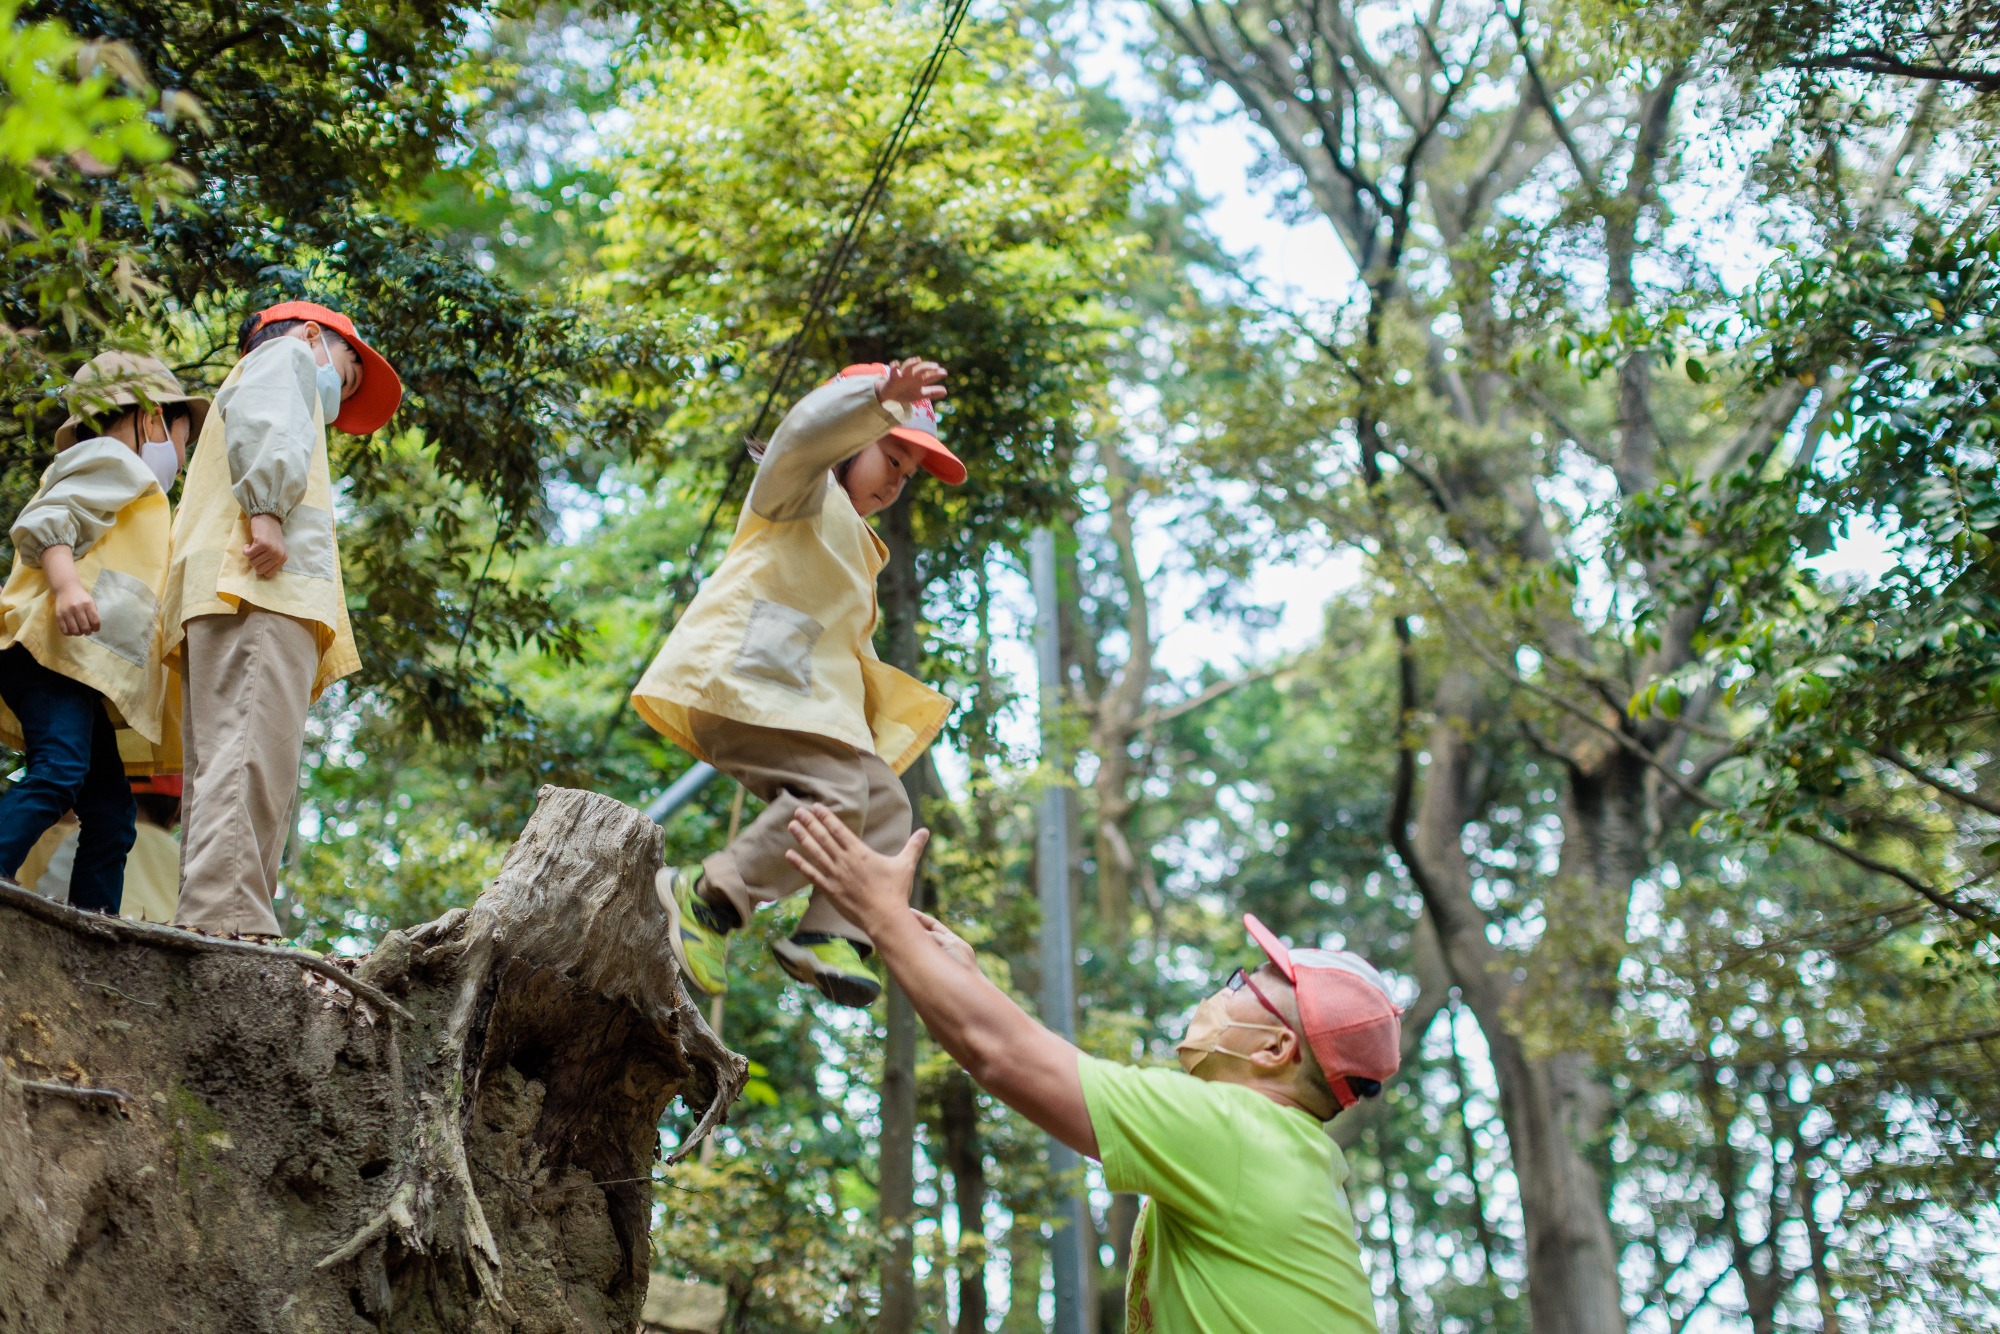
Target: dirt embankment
458, 1135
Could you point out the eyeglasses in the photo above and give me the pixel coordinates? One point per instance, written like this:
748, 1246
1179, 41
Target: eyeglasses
1241, 979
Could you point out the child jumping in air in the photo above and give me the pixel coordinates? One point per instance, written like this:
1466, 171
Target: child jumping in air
254, 611
771, 676
85, 691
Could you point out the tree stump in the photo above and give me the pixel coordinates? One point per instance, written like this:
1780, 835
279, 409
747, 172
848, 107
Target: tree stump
458, 1134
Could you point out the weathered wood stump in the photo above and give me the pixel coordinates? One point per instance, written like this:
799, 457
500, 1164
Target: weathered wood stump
199, 1134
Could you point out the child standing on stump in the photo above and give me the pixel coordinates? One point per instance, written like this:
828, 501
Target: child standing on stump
255, 612
772, 677
85, 691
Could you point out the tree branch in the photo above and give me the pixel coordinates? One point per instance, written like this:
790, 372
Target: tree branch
1157, 717
1931, 780
1874, 60
1584, 167
1938, 897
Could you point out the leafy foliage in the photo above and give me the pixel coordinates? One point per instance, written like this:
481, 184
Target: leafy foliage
1588, 475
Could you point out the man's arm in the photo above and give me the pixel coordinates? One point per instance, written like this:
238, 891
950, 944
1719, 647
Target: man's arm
1004, 1050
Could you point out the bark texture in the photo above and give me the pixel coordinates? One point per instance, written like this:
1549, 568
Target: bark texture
199, 1134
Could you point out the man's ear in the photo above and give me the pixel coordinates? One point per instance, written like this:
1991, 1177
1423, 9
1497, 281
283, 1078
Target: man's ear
1282, 1050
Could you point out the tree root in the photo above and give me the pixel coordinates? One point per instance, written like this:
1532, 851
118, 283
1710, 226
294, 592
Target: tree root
400, 1213
80, 1093
178, 938
718, 1104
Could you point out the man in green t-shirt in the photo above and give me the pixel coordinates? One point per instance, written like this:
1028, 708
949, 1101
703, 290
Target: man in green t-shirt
1246, 1229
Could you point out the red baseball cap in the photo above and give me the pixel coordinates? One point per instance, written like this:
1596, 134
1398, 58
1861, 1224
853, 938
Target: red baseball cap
922, 431
159, 785
1351, 1024
381, 390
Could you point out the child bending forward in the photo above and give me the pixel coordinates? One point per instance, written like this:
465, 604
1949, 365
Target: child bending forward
772, 677
84, 686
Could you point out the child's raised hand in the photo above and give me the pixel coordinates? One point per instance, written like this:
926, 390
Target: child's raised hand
910, 380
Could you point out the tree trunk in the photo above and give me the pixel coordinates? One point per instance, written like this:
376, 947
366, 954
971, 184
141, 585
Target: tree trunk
1553, 1107
897, 1205
458, 1134
1116, 726
965, 1159
901, 605
1027, 1261
1119, 1220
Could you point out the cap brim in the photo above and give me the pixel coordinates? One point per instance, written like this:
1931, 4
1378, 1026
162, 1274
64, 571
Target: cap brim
380, 394
1272, 946
66, 434
938, 461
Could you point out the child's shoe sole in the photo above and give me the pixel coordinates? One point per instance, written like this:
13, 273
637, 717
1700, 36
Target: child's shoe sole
663, 890
840, 988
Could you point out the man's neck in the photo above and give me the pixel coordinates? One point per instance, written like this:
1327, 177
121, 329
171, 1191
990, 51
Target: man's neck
1277, 1090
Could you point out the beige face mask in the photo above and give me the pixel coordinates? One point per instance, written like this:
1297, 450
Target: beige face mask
1205, 1030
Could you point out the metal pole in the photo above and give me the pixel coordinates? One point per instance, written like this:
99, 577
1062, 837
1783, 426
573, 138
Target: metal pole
1058, 953
681, 792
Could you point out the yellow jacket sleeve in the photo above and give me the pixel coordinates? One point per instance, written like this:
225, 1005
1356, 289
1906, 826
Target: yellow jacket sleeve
828, 426
81, 495
269, 429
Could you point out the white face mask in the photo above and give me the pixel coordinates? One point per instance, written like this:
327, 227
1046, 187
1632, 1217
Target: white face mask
1205, 1030
163, 459
329, 383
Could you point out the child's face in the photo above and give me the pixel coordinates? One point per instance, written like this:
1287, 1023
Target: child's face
878, 474
342, 356
158, 429
150, 424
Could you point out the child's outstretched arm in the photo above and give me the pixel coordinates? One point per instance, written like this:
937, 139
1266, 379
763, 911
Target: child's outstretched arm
831, 424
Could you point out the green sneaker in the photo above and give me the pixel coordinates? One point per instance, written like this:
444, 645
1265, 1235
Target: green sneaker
700, 940
832, 964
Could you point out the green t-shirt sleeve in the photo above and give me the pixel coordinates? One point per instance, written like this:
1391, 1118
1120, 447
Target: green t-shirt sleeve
1164, 1134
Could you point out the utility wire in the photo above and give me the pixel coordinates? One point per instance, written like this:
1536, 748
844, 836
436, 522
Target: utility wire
819, 296
833, 265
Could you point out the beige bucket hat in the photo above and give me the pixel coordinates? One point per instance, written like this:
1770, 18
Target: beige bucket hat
112, 380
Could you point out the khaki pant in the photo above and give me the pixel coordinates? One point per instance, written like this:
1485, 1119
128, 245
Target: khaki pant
245, 691
790, 770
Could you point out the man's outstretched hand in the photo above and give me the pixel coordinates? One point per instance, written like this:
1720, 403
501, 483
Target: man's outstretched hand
1004, 1050
865, 885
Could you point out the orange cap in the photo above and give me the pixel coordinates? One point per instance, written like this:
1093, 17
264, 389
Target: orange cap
1351, 1024
922, 431
381, 390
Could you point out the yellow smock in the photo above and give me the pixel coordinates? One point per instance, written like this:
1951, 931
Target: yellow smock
102, 503
782, 634
152, 875
262, 451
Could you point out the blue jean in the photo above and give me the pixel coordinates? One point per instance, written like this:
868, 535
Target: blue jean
73, 765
